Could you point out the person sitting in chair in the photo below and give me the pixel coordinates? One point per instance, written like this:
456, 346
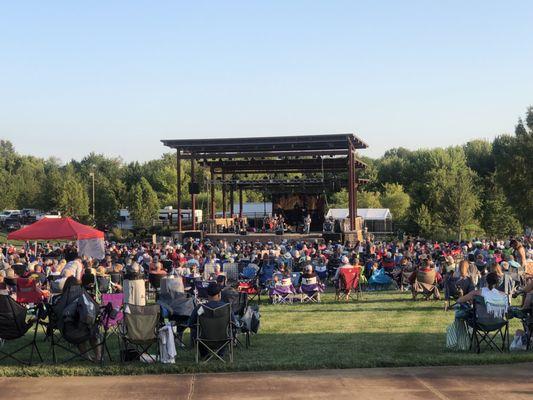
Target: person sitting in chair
345, 263
94, 342
214, 300
496, 301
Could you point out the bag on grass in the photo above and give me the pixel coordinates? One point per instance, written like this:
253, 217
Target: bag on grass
519, 342
457, 337
251, 319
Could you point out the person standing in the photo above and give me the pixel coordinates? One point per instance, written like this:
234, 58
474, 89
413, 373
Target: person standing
307, 224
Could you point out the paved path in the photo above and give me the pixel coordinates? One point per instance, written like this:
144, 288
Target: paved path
441, 383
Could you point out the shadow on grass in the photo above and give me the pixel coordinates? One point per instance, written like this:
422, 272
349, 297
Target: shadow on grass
290, 351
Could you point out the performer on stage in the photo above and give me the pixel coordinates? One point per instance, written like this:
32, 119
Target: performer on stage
307, 224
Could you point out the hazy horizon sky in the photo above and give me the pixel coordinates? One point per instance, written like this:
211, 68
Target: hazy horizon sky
117, 77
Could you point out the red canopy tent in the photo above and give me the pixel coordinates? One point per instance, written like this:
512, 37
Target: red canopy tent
55, 229
90, 240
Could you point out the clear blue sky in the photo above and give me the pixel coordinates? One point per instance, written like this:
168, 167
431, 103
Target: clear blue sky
117, 76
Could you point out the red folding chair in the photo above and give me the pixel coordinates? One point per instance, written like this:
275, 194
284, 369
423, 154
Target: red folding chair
28, 292
348, 282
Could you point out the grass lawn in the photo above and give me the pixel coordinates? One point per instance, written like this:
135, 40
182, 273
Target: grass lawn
385, 329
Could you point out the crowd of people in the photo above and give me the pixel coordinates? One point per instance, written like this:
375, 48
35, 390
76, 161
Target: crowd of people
463, 269
468, 259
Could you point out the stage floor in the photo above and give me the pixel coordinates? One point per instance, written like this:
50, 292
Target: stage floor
264, 237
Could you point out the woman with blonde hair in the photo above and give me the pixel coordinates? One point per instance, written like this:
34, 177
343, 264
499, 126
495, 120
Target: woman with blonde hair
465, 282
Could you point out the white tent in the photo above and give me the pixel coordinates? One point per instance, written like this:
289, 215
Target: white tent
376, 219
377, 214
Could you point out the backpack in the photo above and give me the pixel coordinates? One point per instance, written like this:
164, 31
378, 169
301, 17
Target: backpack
251, 319
77, 321
87, 309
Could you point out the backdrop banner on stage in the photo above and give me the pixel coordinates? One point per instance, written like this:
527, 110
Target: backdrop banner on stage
294, 207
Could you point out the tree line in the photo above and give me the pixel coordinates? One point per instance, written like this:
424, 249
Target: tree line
480, 188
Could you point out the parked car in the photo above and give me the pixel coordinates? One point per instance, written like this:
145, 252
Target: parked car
12, 223
29, 215
8, 213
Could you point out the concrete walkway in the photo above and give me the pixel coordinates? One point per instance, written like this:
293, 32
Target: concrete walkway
472, 383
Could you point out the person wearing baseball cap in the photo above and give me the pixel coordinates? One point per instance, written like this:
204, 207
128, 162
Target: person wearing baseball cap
213, 301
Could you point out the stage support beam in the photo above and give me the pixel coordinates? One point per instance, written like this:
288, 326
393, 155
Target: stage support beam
212, 210
193, 194
352, 212
240, 201
178, 183
223, 196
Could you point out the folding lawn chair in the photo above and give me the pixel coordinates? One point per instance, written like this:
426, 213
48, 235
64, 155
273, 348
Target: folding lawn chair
13, 326
283, 292
209, 271
250, 287
310, 290
177, 309
104, 284
113, 318
154, 286
134, 292
116, 278
139, 329
172, 285
452, 291
348, 281
28, 292
231, 270
63, 317
526, 318
214, 333
426, 285
295, 278
322, 272
238, 302
265, 274
487, 329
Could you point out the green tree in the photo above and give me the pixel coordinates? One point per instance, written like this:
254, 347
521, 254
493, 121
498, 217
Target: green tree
479, 157
73, 200
106, 205
460, 203
339, 199
394, 198
424, 221
368, 200
143, 203
514, 164
498, 218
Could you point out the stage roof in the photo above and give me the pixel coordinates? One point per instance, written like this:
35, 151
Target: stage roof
329, 144
258, 165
